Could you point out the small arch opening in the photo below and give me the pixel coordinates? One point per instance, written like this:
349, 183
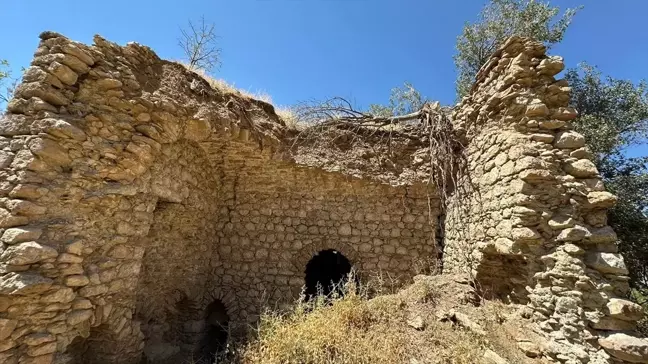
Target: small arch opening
216, 332
325, 272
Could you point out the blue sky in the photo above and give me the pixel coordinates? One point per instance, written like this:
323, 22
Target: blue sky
301, 49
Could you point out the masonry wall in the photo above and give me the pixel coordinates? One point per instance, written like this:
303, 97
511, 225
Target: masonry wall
277, 217
133, 195
528, 219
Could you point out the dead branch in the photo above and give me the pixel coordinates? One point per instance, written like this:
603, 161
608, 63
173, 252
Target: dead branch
199, 43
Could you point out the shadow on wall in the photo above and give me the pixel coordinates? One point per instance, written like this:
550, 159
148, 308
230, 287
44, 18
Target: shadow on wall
325, 273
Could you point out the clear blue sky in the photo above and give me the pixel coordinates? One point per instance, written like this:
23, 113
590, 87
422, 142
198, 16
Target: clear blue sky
301, 49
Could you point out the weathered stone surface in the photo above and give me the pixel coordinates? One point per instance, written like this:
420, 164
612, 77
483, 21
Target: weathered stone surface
76, 281
607, 262
582, 168
613, 324
19, 235
569, 139
626, 347
493, 358
624, 310
27, 253
78, 316
24, 283
7, 327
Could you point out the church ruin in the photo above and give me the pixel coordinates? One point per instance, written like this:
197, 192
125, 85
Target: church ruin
143, 211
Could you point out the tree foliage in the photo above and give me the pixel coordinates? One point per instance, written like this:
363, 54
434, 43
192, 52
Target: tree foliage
402, 100
499, 20
8, 84
614, 117
199, 43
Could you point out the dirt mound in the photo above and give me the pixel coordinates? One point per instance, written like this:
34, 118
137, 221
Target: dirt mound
437, 319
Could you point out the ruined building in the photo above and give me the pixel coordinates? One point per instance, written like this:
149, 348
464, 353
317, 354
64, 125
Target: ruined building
139, 206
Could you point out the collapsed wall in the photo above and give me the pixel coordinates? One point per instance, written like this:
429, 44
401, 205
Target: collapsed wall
528, 217
140, 206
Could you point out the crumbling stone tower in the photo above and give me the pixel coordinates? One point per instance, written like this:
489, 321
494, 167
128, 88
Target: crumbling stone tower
138, 205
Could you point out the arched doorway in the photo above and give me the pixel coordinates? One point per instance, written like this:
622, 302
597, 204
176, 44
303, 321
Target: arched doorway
216, 332
326, 271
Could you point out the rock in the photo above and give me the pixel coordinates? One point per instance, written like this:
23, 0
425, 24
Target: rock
573, 234
78, 316
50, 151
581, 168
529, 349
624, 310
198, 130
551, 124
62, 295
18, 235
581, 153
417, 323
69, 258
7, 327
569, 139
24, 283
7, 344
602, 235
38, 339
537, 109
551, 66
565, 113
544, 138
493, 358
27, 253
606, 262
612, 324
601, 199
43, 359
44, 349
626, 347
559, 222
77, 281
108, 83
63, 73
8, 220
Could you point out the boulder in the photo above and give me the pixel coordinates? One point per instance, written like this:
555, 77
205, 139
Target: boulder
27, 253
626, 347
624, 310
24, 283
569, 139
606, 262
581, 168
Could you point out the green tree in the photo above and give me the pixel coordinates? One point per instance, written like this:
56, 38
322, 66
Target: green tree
614, 117
402, 100
499, 20
5, 76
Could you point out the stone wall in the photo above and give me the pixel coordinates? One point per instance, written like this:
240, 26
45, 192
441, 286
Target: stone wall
528, 219
133, 195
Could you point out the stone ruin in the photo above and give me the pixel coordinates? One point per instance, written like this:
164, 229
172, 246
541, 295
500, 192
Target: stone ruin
140, 209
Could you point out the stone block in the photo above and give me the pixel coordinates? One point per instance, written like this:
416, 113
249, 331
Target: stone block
626, 347
19, 235
606, 262
624, 310
27, 253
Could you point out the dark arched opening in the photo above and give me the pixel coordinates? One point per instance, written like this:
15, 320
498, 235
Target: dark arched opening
325, 272
216, 333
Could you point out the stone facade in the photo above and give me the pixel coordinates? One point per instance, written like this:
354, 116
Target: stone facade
134, 196
528, 219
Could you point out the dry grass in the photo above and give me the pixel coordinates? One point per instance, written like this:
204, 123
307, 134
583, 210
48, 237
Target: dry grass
287, 114
355, 330
226, 88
